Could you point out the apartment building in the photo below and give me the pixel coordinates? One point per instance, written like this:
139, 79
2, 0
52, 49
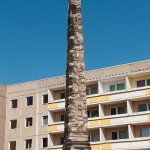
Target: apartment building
118, 101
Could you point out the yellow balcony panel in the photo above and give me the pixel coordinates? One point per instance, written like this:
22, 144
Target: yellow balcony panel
93, 100
52, 128
147, 92
52, 106
93, 123
106, 147
148, 117
104, 98
105, 122
149, 143
95, 147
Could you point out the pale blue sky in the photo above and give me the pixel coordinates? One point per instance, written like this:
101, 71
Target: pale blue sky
33, 36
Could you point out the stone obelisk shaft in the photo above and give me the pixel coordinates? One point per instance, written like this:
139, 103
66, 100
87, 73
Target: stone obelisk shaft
76, 133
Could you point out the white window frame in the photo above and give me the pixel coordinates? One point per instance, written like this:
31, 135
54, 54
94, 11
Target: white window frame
90, 111
43, 99
116, 110
10, 124
25, 144
9, 144
144, 136
26, 122
11, 104
27, 100
42, 120
91, 137
115, 84
145, 82
89, 90
118, 134
147, 106
42, 142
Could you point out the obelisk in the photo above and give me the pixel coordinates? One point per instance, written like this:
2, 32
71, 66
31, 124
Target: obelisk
76, 133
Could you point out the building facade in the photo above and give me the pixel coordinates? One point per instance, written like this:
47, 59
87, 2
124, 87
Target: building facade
118, 102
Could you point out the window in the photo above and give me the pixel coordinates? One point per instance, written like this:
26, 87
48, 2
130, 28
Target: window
30, 101
119, 135
45, 120
142, 83
45, 142
148, 82
61, 140
118, 110
45, 99
28, 144
14, 103
123, 134
13, 124
93, 113
145, 132
62, 95
94, 90
112, 88
121, 110
120, 86
12, 145
90, 91
28, 122
62, 117
114, 136
94, 137
113, 111
144, 107
117, 87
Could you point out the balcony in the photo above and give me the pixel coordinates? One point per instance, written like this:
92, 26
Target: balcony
120, 95
119, 120
56, 105
56, 127
109, 97
135, 144
107, 121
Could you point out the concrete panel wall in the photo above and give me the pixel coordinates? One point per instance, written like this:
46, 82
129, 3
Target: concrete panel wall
3, 97
37, 131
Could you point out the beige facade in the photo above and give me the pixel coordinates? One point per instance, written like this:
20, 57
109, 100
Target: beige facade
3, 99
118, 111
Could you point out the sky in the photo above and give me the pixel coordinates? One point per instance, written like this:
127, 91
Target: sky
33, 36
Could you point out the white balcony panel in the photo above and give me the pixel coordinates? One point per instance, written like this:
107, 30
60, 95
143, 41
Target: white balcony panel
128, 145
119, 121
60, 127
119, 145
140, 144
61, 105
129, 95
138, 118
